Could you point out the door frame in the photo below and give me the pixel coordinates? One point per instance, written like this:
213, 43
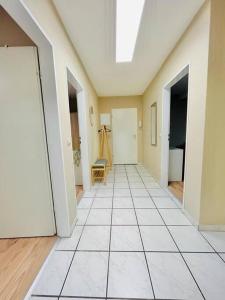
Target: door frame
113, 109
20, 13
166, 101
83, 129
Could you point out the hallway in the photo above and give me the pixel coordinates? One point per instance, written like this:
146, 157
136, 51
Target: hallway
132, 240
148, 76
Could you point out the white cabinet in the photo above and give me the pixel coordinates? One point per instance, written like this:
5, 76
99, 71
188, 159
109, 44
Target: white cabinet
175, 164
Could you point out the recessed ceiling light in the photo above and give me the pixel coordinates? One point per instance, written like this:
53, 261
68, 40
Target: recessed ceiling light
128, 18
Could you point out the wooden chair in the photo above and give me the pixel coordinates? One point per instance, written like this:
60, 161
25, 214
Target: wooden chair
99, 170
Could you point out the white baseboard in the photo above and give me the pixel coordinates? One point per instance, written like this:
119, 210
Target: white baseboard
211, 227
186, 213
190, 218
173, 197
73, 225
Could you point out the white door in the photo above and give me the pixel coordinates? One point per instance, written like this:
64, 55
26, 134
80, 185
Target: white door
26, 207
124, 133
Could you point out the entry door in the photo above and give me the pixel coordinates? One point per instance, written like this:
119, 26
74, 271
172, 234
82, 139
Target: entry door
25, 192
124, 133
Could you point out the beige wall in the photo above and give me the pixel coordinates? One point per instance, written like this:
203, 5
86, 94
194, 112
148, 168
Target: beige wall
106, 105
192, 49
65, 56
213, 191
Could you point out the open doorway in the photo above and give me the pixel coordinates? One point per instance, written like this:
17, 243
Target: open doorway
173, 134
26, 208
76, 140
27, 199
177, 136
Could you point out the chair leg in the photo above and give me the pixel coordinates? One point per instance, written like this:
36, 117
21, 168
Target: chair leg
92, 176
104, 175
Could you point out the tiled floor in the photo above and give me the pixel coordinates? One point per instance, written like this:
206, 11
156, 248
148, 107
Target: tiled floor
133, 241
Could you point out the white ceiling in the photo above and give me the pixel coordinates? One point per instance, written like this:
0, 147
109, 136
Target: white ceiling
91, 23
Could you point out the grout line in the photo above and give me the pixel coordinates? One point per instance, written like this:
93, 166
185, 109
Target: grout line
170, 208
180, 251
110, 235
116, 298
44, 296
146, 262
221, 256
96, 298
102, 298
141, 251
215, 251
136, 224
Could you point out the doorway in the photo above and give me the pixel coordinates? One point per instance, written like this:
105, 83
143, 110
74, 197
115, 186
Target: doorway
25, 189
76, 140
177, 137
124, 131
26, 212
174, 127
82, 105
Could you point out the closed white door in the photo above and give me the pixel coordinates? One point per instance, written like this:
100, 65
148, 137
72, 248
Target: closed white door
124, 133
26, 207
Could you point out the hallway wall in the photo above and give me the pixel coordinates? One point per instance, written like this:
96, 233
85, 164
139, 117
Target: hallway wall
192, 49
65, 56
213, 192
106, 104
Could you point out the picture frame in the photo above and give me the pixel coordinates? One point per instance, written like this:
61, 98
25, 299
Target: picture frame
153, 123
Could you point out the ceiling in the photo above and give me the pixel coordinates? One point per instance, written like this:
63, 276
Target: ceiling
91, 27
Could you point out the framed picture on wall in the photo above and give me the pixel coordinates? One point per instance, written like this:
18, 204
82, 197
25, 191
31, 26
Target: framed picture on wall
153, 120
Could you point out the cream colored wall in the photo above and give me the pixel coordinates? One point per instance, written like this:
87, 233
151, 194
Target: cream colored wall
213, 191
106, 104
65, 56
192, 49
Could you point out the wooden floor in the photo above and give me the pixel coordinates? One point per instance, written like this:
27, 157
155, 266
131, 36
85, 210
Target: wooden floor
79, 192
20, 262
176, 188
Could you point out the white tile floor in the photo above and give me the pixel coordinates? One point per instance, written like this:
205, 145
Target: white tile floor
133, 241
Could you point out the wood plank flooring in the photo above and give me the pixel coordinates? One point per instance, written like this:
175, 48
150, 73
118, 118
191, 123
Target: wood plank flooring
79, 192
176, 187
20, 262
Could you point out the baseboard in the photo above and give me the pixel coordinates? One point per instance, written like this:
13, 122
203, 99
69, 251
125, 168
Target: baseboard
190, 218
185, 212
211, 227
73, 225
172, 196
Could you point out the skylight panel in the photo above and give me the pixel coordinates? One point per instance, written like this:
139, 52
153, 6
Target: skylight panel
128, 19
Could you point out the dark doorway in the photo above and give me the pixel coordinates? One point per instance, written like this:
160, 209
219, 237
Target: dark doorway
178, 123
74, 122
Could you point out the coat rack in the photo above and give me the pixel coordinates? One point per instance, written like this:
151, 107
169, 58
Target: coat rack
104, 143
